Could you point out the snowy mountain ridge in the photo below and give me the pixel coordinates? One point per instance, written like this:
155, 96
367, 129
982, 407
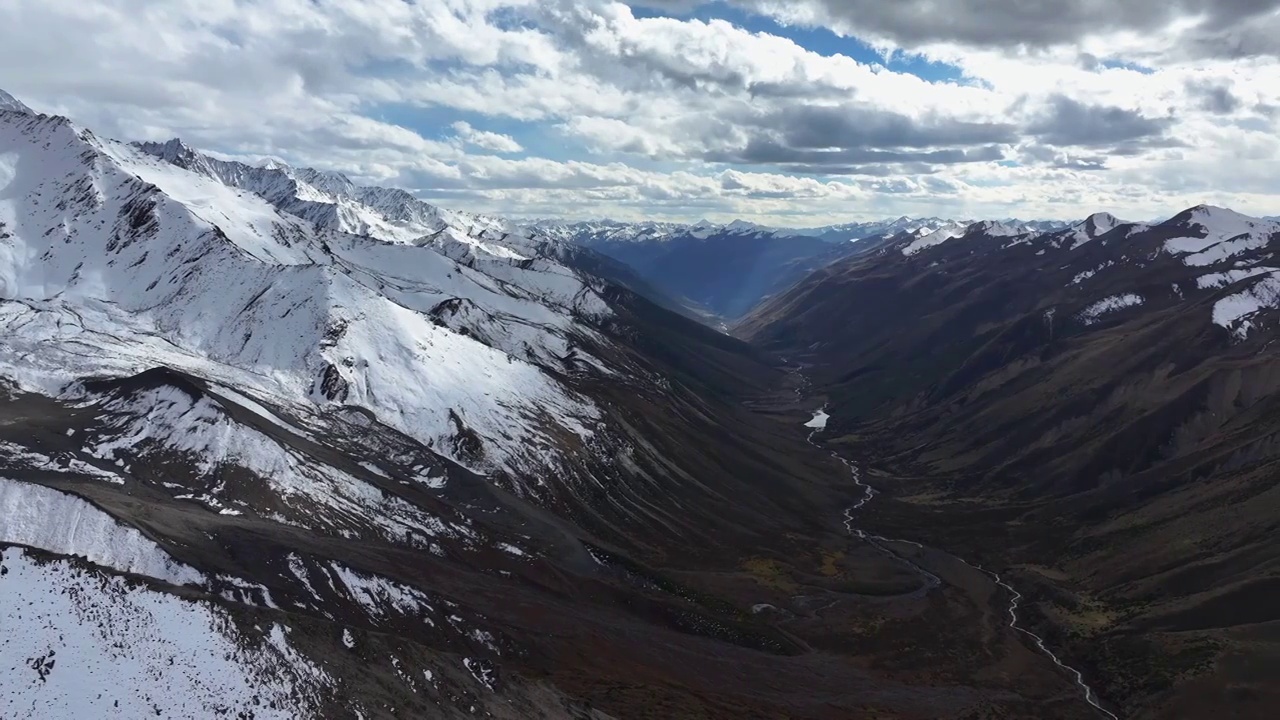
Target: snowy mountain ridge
595, 232
1073, 235
12, 104
177, 268
1220, 246
216, 379
331, 200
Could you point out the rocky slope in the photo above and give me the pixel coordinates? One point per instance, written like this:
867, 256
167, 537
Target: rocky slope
1102, 399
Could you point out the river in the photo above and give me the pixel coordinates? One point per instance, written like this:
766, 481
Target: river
817, 426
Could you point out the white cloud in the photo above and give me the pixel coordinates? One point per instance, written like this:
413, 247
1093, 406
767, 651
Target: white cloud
667, 117
486, 140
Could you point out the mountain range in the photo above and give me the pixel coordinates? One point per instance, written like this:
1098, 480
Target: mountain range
1102, 399
324, 434
725, 270
276, 444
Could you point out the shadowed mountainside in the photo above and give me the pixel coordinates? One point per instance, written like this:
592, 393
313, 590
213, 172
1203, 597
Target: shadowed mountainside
1094, 409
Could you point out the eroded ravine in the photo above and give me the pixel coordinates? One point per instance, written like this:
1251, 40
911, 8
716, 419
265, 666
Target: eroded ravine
817, 425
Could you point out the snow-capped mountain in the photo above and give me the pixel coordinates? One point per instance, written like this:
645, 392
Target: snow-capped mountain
332, 201
1056, 234
594, 233
1091, 228
850, 232
310, 437
168, 266
1214, 264
930, 236
12, 104
1215, 247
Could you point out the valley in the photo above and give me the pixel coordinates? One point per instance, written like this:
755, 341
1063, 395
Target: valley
885, 544
1080, 452
365, 457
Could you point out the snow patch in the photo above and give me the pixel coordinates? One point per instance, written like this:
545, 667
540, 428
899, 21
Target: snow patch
12, 453
1231, 277
1085, 275
1235, 312
1094, 312
819, 421
79, 644
239, 590
381, 596
299, 570
63, 524
512, 549
481, 671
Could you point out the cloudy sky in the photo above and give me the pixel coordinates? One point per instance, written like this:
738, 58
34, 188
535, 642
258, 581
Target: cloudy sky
787, 112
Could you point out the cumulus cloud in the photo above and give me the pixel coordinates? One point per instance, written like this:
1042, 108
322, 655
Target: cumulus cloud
485, 140
1210, 27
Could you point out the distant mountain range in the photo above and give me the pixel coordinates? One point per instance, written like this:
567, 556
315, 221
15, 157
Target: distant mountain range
728, 269
610, 231
721, 270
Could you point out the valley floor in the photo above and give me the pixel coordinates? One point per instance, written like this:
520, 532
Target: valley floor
1134, 661
883, 627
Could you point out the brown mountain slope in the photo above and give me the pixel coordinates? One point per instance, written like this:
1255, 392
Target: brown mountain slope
1118, 455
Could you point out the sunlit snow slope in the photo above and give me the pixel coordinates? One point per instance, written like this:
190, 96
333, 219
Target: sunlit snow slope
113, 260
236, 402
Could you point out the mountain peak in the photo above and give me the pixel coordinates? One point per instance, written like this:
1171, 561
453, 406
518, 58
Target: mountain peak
1219, 222
1091, 228
1100, 223
170, 151
332, 182
13, 104
1204, 214
1205, 208
994, 228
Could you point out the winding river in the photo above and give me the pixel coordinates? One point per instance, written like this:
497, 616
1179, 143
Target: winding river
818, 425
